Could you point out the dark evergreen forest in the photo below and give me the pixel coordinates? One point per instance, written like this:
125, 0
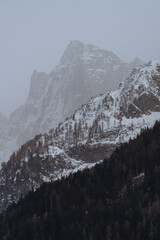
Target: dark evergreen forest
118, 199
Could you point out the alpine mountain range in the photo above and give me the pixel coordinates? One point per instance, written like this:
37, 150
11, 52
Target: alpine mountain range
83, 72
83, 110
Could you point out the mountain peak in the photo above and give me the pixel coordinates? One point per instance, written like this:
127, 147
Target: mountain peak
140, 92
73, 52
75, 43
148, 67
84, 71
155, 62
138, 61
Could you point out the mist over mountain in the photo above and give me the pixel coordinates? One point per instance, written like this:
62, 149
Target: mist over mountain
79, 120
83, 72
89, 135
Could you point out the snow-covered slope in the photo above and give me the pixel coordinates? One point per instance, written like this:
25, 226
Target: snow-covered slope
83, 71
118, 115
90, 134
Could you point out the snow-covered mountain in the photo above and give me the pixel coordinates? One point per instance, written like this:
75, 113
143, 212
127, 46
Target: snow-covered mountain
89, 135
83, 71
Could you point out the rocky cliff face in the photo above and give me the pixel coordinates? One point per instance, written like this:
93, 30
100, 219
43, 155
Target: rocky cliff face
92, 132
83, 71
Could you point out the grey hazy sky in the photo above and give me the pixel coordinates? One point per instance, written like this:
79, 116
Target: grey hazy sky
34, 34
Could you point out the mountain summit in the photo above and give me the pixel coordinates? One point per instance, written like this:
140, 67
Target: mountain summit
83, 72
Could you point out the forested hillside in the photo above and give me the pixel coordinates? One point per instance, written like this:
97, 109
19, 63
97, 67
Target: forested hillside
118, 199
88, 136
